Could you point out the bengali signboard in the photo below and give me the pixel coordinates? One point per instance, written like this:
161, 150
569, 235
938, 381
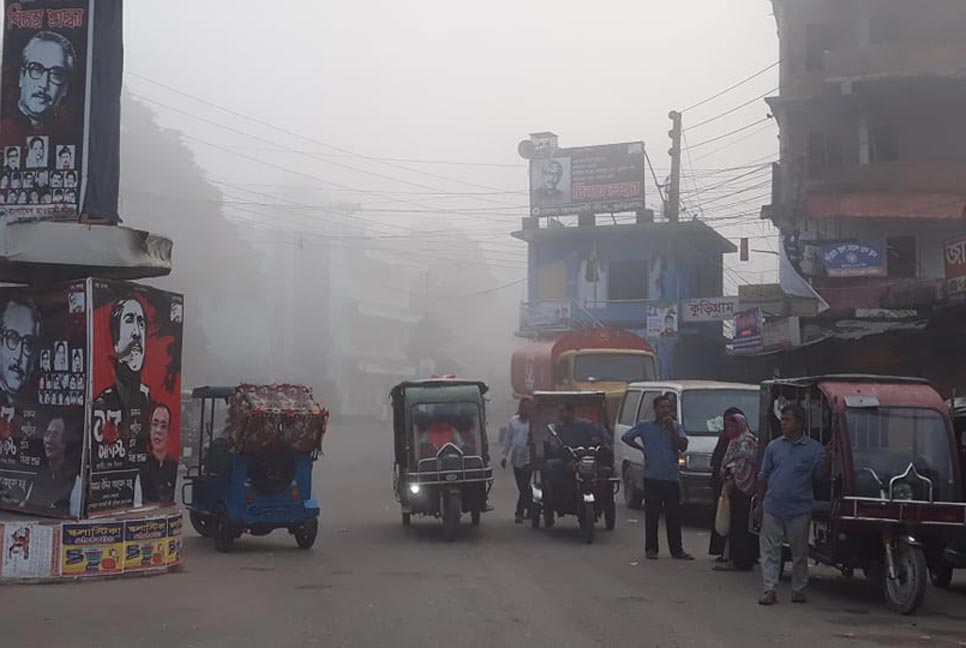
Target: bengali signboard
748, 331
954, 257
548, 314
590, 179
95, 549
784, 333
43, 383
145, 544
134, 437
862, 259
709, 309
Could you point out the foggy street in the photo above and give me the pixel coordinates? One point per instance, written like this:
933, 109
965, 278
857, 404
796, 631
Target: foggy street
370, 582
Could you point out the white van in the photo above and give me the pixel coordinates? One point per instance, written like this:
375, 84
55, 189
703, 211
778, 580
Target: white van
700, 406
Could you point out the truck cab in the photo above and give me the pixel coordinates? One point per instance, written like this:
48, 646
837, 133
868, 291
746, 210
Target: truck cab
699, 407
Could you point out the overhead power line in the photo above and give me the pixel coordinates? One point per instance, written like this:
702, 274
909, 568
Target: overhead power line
733, 87
730, 133
733, 110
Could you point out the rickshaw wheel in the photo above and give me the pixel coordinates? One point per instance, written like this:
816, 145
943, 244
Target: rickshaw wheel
201, 523
587, 522
306, 534
407, 519
941, 576
475, 516
904, 594
223, 533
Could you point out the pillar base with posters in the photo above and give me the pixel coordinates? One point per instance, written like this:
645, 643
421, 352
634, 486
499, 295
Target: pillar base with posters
90, 385
35, 550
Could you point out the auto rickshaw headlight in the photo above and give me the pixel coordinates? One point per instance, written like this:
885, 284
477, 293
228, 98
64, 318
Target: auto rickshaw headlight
414, 489
682, 462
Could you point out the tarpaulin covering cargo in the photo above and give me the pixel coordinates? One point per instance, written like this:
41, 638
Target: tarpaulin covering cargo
264, 416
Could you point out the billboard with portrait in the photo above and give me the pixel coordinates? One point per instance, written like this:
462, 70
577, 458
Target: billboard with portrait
43, 381
59, 109
591, 179
134, 430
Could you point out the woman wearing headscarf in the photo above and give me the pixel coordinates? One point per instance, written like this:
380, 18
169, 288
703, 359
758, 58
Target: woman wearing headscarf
738, 470
719, 543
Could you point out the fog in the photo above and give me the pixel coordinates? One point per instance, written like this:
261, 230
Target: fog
341, 181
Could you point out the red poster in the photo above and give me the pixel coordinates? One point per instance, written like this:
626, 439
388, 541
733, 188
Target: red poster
136, 414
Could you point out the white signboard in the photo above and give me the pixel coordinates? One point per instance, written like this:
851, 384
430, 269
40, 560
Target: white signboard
785, 333
545, 315
709, 309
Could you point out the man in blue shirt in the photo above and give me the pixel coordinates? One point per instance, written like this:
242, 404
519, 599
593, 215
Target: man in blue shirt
792, 464
661, 441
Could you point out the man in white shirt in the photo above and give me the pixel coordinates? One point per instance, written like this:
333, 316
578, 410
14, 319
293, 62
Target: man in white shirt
516, 446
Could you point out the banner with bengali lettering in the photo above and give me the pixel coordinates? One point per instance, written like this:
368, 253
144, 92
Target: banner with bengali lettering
954, 257
60, 109
708, 309
135, 420
591, 179
43, 387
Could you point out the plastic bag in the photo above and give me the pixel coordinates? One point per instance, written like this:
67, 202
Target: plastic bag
722, 519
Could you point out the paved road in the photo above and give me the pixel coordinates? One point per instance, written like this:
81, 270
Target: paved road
369, 582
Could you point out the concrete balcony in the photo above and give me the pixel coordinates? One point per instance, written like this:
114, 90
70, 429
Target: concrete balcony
912, 176
896, 59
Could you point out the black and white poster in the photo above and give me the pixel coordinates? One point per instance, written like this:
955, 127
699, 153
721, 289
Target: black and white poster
590, 179
43, 380
59, 109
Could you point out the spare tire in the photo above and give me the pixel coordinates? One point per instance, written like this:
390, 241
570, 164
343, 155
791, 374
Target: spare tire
272, 470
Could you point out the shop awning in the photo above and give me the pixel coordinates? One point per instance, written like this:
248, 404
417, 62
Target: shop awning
886, 205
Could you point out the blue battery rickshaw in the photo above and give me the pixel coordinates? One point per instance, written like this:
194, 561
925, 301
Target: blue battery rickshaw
256, 475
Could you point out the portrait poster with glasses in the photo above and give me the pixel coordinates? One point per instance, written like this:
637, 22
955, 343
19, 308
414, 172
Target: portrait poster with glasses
44, 108
43, 379
135, 424
591, 179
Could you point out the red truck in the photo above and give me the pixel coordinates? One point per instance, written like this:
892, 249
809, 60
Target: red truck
596, 359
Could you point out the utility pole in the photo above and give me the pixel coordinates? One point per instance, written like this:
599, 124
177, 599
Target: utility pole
674, 190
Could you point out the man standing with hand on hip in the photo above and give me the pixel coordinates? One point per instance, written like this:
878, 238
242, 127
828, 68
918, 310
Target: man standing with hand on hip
792, 464
661, 441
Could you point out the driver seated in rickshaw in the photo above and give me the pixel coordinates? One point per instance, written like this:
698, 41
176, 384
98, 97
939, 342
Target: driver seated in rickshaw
571, 432
436, 428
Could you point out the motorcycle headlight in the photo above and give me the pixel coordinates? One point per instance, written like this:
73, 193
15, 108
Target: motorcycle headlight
414, 489
682, 462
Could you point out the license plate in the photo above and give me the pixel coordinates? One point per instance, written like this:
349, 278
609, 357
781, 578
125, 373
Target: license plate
699, 462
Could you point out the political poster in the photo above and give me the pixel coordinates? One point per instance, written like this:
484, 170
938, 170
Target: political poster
28, 550
134, 430
748, 331
43, 111
591, 179
43, 380
145, 544
95, 549
60, 109
954, 258
662, 320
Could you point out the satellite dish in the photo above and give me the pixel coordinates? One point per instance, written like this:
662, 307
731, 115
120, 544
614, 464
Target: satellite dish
526, 149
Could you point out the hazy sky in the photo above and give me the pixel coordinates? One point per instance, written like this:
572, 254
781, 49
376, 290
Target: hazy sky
454, 81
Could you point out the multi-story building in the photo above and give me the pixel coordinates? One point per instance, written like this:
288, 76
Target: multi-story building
624, 276
871, 180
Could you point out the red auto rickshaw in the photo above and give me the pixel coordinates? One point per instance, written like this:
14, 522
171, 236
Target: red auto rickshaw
894, 501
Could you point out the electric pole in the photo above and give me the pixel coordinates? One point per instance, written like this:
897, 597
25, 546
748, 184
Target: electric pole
674, 190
